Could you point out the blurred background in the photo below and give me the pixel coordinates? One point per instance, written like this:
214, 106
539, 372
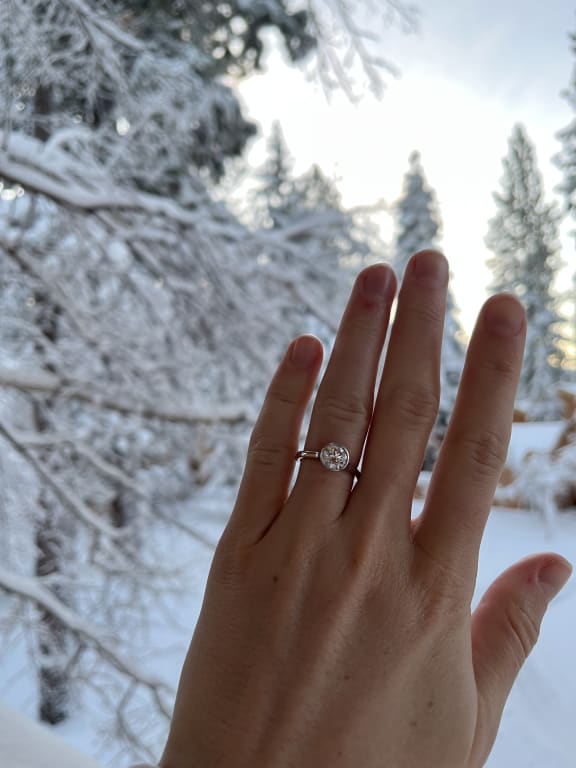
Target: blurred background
186, 186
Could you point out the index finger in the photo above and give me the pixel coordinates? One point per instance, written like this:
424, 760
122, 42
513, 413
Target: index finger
474, 450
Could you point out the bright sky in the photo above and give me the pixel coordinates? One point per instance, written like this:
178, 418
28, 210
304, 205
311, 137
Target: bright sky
474, 69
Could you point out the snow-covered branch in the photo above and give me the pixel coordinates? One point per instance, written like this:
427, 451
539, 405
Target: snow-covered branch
49, 174
29, 589
40, 381
67, 496
104, 24
111, 471
349, 40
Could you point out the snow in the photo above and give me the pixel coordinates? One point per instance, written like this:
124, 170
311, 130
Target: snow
24, 744
538, 436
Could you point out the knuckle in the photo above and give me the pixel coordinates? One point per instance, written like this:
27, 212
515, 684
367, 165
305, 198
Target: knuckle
486, 452
502, 366
438, 611
450, 595
367, 328
428, 314
524, 629
347, 409
264, 451
417, 404
436, 614
278, 396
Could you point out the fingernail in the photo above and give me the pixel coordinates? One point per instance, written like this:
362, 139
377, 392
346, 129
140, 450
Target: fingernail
504, 316
431, 267
304, 351
377, 282
553, 577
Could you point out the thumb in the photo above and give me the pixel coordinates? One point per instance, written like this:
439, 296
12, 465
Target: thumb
505, 628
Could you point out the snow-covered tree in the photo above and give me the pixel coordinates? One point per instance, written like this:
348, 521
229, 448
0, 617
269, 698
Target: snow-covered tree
419, 226
571, 297
566, 158
273, 197
523, 236
331, 245
417, 217
140, 319
146, 71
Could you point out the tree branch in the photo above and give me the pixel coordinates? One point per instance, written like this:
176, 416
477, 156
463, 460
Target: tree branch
28, 589
41, 381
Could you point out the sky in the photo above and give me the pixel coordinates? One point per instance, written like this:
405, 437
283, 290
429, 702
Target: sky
472, 71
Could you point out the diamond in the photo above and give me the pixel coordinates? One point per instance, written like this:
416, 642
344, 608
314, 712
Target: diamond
334, 457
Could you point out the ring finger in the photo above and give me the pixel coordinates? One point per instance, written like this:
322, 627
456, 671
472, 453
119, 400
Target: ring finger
343, 407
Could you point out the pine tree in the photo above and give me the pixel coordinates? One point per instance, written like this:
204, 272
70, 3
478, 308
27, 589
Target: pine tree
523, 236
573, 320
568, 300
417, 218
566, 158
321, 239
274, 198
419, 226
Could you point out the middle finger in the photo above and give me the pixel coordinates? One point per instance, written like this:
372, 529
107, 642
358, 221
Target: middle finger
409, 393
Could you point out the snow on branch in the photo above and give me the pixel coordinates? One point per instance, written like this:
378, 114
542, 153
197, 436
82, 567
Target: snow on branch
42, 440
58, 293
349, 40
104, 24
40, 381
30, 589
26, 163
67, 496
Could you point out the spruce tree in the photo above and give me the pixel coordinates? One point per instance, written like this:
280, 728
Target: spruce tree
523, 236
566, 158
573, 320
569, 302
419, 226
274, 198
417, 217
322, 240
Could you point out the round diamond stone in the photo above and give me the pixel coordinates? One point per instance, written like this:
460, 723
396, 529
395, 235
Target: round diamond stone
334, 457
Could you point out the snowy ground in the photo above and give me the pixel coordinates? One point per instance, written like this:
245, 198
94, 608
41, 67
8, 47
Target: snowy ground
24, 744
538, 725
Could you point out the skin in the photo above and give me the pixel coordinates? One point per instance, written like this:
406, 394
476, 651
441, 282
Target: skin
335, 631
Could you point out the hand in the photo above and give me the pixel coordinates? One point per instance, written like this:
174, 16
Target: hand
335, 632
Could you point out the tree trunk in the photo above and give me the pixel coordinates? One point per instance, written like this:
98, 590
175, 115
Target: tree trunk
53, 640
50, 537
